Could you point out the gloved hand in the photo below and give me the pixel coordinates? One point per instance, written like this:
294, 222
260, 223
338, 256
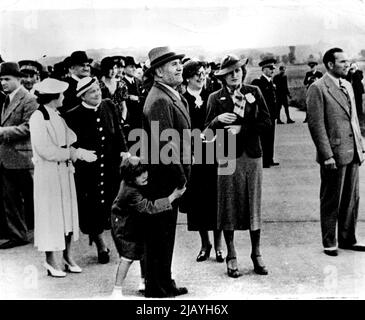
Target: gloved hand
86, 155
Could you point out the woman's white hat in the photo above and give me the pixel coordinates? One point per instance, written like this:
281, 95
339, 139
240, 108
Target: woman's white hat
51, 86
84, 84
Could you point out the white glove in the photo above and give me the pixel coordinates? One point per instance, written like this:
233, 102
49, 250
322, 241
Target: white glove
86, 155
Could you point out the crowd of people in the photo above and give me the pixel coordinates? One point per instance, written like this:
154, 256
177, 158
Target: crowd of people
66, 159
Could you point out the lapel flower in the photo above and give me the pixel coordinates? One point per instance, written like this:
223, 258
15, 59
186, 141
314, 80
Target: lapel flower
250, 98
222, 98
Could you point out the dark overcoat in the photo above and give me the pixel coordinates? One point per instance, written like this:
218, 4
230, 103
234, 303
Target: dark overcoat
97, 182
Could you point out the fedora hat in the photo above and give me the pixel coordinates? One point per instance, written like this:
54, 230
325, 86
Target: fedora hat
160, 55
229, 63
267, 61
79, 58
10, 69
129, 61
51, 86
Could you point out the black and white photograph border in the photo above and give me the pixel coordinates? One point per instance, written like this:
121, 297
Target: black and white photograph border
291, 244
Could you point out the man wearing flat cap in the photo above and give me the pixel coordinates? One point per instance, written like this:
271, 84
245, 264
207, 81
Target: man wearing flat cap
79, 67
267, 87
32, 71
15, 155
164, 109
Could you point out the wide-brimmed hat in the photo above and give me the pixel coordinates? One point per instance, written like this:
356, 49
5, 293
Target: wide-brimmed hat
30, 67
84, 84
160, 55
51, 86
267, 61
312, 62
229, 63
78, 58
10, 69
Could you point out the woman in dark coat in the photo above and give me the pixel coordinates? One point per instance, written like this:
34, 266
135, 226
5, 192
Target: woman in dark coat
95, 122
201, 195
240, 111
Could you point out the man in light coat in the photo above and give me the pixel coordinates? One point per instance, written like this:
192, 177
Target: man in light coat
335, 131
164, 109
15, 155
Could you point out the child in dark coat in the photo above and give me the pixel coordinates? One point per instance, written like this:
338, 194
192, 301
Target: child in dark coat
128, 211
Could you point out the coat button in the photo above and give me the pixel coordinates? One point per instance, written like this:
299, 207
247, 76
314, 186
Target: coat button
100, 129
97, 119
102, 138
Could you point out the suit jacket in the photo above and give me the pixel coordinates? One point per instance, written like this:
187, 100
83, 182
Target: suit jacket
168, 112
134, 108
310, 77
268, 91
281, 82
334, 129
15, 147
255, 121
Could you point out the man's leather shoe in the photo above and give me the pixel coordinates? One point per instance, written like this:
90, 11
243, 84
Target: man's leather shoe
279, 121
13, 243
290, 121
275, 163
354, 247
332, 253
266, 165
176, 291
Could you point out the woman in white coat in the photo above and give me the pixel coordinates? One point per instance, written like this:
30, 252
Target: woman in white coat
55, 202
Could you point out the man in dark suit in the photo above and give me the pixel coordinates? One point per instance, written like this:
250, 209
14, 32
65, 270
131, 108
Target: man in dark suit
268, 89
335, 130
312, 75
355, 76
135, 98
15, 155
282, 92
165, 109
79, 67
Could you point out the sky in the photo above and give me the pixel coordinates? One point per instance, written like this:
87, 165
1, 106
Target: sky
33, 28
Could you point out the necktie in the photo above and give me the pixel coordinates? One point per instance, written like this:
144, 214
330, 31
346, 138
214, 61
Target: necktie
6, 102
345, 92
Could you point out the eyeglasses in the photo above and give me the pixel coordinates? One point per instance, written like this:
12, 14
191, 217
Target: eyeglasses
200, 74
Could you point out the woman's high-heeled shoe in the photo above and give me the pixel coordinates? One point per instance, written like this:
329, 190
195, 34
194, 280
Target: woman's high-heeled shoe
72, 268
53, 272
204, 254
219, 256
233, 273
103, 256
258, 265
